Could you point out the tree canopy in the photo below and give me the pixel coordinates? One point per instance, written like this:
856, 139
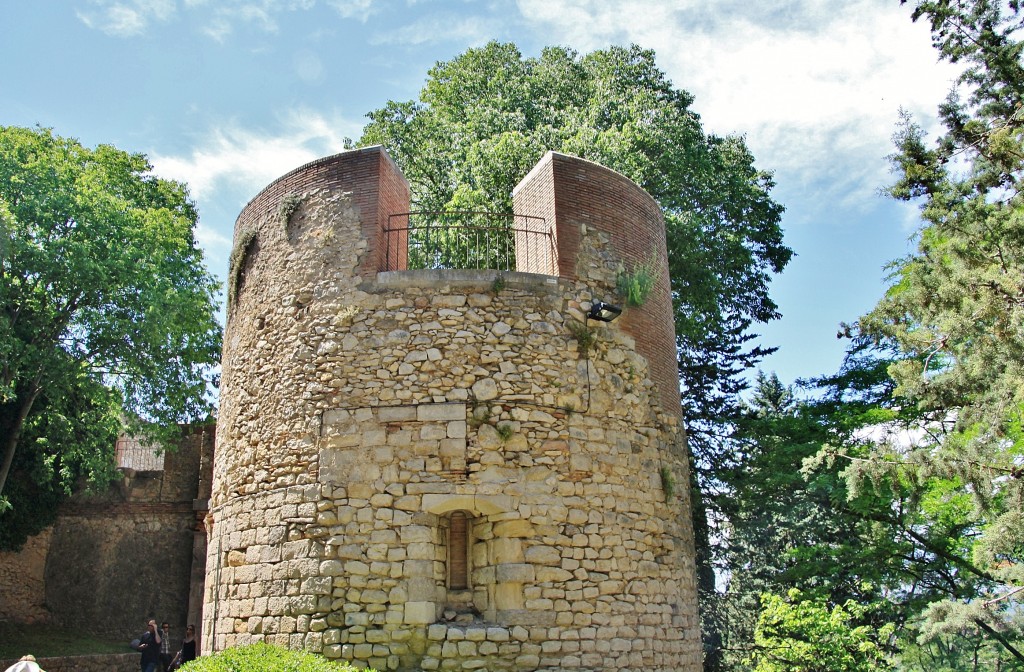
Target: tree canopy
107, 315
955, 307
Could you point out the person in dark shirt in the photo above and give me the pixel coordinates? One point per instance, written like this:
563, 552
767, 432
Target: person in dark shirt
188, 645
149, 646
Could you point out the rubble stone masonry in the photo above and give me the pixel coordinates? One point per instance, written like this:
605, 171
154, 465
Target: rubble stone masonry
449, 469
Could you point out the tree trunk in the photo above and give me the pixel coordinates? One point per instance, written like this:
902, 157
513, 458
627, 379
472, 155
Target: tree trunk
14, 431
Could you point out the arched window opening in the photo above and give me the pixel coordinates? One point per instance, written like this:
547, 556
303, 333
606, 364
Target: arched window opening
458, 551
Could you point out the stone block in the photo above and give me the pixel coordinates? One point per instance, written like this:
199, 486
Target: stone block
420, 613
433, 431
508, 597
440, 412
543, 555
506, 549
514, 573
396, 413
416, 533
485, 389
513, 528
421, 551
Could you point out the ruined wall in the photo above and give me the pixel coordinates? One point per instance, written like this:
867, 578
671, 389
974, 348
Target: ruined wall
363, 415
114, 559
118, 559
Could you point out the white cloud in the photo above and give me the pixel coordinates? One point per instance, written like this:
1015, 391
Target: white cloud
814, 85
235, 157
355, 9
472, 31
125, 19
212, 241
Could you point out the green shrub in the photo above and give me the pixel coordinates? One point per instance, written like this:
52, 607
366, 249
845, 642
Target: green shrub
636, 286
505, 431
262, 657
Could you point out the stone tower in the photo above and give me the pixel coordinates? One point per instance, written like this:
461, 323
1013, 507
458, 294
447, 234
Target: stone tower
450, 469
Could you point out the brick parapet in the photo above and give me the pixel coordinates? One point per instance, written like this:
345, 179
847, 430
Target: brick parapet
374, 184
604, 225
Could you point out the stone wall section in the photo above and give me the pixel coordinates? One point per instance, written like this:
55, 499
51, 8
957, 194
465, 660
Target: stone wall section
23, 581
359, 411
116, 558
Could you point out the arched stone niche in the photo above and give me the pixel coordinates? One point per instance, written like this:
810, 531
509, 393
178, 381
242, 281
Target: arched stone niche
496, 568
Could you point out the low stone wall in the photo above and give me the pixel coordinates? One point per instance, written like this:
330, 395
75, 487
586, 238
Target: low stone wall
111, 662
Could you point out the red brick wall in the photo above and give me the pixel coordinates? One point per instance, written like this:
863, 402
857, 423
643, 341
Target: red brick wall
535, 196
580, 195
376, 185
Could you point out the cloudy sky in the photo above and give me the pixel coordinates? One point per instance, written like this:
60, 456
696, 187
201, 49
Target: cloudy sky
227, 95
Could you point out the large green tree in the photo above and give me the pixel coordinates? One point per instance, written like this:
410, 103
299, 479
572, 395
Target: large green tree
486, 117
955, 312
107, 316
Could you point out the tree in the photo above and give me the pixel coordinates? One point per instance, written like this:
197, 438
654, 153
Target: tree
799, 635
785, 527
107, 315
486, 117
955, 312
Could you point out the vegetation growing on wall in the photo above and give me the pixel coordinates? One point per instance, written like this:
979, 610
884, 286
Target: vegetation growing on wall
635, 285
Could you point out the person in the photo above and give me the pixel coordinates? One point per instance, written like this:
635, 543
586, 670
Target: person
25, 664
165, 645
188, 646
149, 646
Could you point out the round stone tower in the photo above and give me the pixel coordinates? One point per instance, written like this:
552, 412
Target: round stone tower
450, 469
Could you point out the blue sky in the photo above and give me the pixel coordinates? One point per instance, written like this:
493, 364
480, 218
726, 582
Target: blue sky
227, 95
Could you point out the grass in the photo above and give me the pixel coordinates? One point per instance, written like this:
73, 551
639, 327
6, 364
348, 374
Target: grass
50, 641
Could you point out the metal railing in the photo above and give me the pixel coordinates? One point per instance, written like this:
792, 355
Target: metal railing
131, 453
468, 240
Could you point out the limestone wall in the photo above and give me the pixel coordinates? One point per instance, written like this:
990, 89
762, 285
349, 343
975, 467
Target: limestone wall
361, 412
23, 583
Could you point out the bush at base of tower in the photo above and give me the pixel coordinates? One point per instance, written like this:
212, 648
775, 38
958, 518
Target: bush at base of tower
263, 657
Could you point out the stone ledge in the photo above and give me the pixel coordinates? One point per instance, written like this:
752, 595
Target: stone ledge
463, 278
